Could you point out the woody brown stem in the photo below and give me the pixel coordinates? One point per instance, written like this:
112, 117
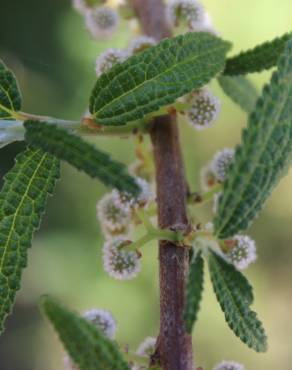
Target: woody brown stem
174, 346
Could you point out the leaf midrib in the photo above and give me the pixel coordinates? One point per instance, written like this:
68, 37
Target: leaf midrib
260, 154
34, 175
159, 75
241, 317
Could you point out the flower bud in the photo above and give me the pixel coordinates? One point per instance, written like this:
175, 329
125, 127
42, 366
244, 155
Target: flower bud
101, 21
189, 12
103, 320
114, 216
241, 251
118, 262
221, 163
205, 109
141, 43
108, 59
147, 347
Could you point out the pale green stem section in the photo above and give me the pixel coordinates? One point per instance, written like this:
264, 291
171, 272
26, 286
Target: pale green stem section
152, 232
86, 126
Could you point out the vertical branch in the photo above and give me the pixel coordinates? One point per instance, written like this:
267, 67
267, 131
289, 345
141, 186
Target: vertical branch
174, 347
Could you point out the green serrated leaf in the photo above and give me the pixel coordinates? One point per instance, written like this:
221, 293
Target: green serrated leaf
194, 291
264, 56
240, 90
10, 97
234, 295
22, 203
263, 157
87, 347
157, 77
80, 154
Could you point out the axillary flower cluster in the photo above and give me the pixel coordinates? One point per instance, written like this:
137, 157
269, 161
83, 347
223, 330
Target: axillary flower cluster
118, 213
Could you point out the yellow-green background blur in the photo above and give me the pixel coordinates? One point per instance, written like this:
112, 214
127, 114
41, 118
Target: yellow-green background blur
45, 43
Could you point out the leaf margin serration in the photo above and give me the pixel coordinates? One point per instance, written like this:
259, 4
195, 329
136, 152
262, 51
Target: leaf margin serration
80, 154
31, 205
235, 302
244, 196
257, 59
194, 291
122, 72
71, 327
11, 90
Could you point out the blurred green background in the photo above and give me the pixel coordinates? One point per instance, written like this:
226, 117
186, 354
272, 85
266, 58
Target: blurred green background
46, 44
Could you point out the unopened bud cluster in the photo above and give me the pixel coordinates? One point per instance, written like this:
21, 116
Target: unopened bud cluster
204, 109
146, 349
190, 13
111, 57
240, 251
116, 214
215, 172
100, 20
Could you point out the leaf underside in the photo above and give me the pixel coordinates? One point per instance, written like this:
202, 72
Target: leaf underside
10, 97
234, 295
157, 77
22, 203
194, 291
264, 56
240, 90
80, 154
263, 157
87, 347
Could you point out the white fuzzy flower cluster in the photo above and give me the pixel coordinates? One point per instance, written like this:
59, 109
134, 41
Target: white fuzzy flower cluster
140, 43
101, 21
111, 57
145, 349
103, 320
241, 251
215, 172
119, 262
115, 210
190, 12
114, 215
205, 109
229, 365
221, 163
108, 59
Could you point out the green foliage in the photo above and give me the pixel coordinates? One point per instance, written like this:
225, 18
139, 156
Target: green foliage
22, 203
87, 347
234, 295
194, 291
262, 57
80, 154
157, 77
263, 156
240, 90
10, 97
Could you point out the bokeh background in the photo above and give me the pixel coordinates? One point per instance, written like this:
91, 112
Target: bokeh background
47, 46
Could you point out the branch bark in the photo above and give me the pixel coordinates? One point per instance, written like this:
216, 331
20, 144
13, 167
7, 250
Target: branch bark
174, 345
